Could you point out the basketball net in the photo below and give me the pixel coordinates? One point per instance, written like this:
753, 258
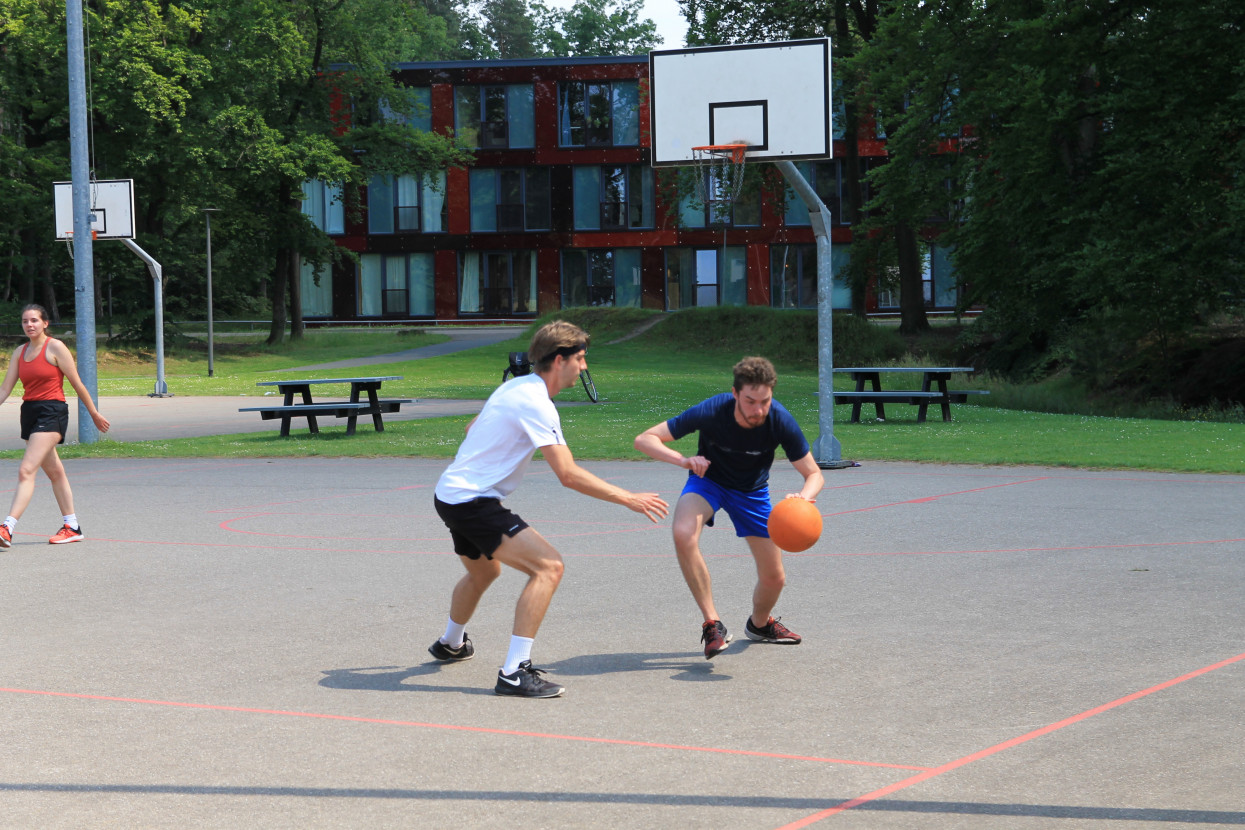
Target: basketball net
720, 177
69, 240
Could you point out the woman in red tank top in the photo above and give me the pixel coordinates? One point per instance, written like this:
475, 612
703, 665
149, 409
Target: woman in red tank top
42, 365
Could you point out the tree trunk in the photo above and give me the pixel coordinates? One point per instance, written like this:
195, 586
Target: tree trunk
281, 275
912, 319
296, 296
858, 276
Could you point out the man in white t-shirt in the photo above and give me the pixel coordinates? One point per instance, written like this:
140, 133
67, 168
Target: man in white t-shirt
518, 419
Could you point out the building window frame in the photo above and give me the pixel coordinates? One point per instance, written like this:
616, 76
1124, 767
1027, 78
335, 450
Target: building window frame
396, 285
610, 197
495, 116
497, 283
599, 113
510, 199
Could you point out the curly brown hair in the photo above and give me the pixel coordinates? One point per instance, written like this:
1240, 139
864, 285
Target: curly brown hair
754, 371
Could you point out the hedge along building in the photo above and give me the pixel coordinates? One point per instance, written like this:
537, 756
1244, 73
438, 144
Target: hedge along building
562, 207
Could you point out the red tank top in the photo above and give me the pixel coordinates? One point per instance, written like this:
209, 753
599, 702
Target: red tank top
41, 381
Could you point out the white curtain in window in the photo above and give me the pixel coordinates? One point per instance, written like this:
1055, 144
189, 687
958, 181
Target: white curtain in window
734, 277
334, 209
531, 282
422, 288
370, 285
469, 290
434, 201
627, 277
317, 299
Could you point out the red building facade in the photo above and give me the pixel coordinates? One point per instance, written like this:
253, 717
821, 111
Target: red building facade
561, 207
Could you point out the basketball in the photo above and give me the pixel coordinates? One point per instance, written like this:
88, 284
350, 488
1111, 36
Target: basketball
795, 525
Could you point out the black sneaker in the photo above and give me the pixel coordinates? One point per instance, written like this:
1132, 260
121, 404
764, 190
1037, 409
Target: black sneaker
772, 632
441, 651
715, 637
526, 682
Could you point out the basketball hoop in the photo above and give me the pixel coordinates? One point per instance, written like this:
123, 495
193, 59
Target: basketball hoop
69, 240
720, 176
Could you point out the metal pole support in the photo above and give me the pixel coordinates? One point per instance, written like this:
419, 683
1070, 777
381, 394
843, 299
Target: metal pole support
826, 449
157, 276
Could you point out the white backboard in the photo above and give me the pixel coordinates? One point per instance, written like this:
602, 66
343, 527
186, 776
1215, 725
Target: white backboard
775, 97
112, 208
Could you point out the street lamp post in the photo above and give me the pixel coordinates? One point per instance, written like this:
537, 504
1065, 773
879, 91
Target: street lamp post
207, 213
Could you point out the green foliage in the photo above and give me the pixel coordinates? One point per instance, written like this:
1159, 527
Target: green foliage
598, 27
643, 381
230, 104
1096, 199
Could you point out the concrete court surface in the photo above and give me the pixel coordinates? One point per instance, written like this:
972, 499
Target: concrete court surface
242, 643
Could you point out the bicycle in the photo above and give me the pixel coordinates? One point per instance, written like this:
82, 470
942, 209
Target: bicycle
520, 365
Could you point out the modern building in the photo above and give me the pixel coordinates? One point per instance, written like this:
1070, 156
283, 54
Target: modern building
562, 208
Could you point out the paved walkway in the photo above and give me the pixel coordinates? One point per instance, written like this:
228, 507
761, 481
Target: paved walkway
143, 418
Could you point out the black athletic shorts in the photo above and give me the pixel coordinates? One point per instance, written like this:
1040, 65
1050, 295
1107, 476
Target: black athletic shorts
477, 526
45, 416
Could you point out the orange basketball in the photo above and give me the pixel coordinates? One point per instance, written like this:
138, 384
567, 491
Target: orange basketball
795, 525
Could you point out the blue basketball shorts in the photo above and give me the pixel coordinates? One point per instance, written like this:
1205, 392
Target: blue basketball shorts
749, 512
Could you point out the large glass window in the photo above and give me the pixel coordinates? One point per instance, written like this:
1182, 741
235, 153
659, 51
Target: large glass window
322, 204
396, 285
509, 199
407, 204
497, 282
598, 113
706, 277
720, 210
826, 179
317, 290
793, 276
496, 117
418, 106
601, 277
614, 197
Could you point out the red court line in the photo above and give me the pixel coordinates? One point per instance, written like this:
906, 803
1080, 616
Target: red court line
451, 727
1005, 745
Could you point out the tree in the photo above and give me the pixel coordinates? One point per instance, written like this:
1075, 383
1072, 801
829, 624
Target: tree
598, 27
1097, 185
231, 104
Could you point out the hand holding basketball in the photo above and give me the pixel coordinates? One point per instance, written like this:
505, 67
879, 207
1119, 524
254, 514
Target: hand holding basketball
795, 524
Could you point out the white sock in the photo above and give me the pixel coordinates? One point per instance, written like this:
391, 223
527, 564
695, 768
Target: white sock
520, 650
453, 636
10, 523
72, 520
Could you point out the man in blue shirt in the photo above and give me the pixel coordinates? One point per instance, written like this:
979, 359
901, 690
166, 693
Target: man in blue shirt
738, 433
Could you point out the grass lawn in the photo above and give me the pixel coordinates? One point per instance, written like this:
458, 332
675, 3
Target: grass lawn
644, 380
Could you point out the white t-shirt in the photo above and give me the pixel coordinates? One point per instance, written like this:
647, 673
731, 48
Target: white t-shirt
517, 419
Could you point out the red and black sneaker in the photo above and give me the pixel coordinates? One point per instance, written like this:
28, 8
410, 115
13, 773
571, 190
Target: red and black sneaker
6, 537
715, 637
772, 632
66, 534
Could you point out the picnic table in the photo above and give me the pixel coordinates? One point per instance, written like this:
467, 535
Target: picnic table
308, 408
931, 376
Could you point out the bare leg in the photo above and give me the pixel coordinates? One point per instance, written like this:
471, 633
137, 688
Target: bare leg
531, 553
480, 575
55, 471
38, 448
690, 514
771, 578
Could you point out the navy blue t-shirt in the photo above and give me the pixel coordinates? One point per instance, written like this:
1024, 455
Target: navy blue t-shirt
739, 458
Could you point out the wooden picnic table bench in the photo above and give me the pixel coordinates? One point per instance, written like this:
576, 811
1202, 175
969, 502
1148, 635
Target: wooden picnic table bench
921, 398
308, 408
